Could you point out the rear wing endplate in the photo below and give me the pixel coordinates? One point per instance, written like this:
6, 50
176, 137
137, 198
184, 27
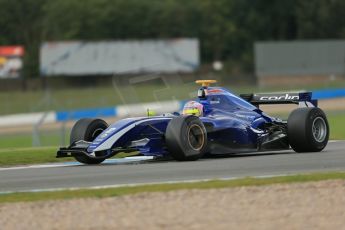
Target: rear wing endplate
302, 99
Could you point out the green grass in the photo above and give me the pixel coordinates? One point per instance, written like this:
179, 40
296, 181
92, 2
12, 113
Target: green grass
20, 140
26, 156
336, 120
15, 140
68, 99
16, 149
22, 156
53, 138
337, 125
71, 99
215, 184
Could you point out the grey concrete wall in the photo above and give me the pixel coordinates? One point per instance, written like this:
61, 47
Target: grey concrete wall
305, 58
119, 57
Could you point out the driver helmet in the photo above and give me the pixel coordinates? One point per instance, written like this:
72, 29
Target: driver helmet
193, 108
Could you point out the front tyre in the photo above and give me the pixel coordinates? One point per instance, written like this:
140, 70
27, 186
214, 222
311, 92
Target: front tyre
308, 130
88, 129
186, 138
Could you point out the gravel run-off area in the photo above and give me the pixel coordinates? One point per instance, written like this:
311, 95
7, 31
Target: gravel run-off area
312, 205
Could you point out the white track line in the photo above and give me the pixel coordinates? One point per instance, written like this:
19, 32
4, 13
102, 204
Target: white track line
151, 183
140, 184
138, 159
126, 160
33, 167
333, 141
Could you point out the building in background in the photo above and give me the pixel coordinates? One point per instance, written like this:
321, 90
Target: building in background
79, 58
299, 62
11, 62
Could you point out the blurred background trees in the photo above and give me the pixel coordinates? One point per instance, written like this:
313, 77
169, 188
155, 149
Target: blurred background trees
225, 28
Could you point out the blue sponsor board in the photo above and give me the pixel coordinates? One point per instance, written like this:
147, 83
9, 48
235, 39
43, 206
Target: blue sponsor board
328, 94
112, 111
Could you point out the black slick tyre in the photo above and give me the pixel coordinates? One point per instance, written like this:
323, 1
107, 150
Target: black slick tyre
88, 129
186, 138
308, 130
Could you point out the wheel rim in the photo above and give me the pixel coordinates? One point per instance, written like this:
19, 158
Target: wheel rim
196, 137
319, 129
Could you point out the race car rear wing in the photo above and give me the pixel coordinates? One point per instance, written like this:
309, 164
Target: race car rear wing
303, 98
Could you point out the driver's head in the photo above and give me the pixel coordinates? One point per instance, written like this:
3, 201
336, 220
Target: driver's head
193, 108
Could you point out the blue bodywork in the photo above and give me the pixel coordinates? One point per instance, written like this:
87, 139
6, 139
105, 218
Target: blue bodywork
233, 125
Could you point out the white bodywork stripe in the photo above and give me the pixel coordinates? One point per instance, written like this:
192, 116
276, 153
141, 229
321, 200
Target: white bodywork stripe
109, 142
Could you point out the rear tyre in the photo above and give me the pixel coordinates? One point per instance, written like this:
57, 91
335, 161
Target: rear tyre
88, 129
186, 138
308, 130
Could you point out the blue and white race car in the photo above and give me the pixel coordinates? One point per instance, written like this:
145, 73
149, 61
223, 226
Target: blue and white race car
217, 122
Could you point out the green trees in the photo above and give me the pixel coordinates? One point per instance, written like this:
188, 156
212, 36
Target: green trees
22, 23
321, 19
226, 28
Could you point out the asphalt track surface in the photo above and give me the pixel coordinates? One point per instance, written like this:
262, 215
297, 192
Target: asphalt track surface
254, 164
